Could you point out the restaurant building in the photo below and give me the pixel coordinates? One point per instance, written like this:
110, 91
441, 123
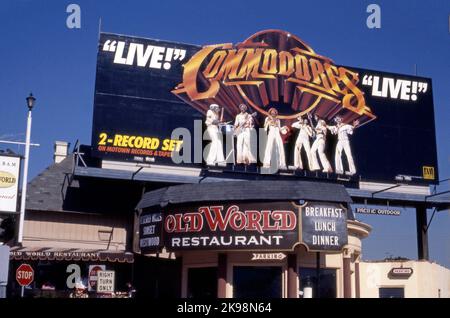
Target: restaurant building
230, 170
253, 238
274, 256
66, 224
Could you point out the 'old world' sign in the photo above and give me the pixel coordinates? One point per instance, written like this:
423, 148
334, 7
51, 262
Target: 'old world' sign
324, 226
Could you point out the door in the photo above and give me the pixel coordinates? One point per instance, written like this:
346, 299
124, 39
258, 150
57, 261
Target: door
202, 282
257, 281
392, 292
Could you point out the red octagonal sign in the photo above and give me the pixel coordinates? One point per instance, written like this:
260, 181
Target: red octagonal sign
24, 275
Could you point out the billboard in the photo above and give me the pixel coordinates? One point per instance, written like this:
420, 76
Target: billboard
9, 182
302, 112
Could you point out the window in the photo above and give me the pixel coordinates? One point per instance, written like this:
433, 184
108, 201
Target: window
257, 281
327, 282
202, 282
392, 292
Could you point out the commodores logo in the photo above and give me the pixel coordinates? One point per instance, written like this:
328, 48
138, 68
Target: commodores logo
272, 68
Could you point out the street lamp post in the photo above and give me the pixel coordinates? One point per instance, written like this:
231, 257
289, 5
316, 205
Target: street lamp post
30, 103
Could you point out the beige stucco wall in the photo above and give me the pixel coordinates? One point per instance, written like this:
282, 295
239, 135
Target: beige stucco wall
304, 259
357, 231
75, 230
425, 282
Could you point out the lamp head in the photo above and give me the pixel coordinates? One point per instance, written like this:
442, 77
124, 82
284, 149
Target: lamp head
30, 101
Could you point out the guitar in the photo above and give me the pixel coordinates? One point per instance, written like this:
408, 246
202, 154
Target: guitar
238, 128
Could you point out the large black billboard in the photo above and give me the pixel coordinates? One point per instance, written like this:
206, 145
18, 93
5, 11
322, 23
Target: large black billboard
302, 111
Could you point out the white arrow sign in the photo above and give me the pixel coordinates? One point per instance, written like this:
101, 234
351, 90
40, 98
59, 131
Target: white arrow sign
268, 256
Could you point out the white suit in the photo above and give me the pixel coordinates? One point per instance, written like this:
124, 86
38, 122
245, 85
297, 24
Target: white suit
274, 139
319, 146
343, 144
215, 154
302, 141
244, 122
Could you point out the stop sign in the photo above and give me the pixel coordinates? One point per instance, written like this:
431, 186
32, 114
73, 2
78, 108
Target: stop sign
93, 270
24, 275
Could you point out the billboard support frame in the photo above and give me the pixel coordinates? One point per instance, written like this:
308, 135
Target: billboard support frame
422, 232
386, 189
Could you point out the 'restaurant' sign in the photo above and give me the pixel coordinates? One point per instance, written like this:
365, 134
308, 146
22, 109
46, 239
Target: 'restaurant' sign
324, 226
256, 226
240, 226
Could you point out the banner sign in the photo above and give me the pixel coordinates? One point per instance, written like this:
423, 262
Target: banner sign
9, 183
324, 226
317, 117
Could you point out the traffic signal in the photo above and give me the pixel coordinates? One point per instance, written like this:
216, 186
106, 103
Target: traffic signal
7, 229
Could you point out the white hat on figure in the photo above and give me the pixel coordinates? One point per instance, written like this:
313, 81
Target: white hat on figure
80, 285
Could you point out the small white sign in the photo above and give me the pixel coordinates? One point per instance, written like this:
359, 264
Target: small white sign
9, 183
105, 281
378, 211
268, 256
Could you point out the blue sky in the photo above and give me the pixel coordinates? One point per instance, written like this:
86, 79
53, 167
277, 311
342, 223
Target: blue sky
40, 54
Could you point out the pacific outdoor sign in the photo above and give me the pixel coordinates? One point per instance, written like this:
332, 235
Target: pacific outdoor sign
145, 89
264, 226
378, 211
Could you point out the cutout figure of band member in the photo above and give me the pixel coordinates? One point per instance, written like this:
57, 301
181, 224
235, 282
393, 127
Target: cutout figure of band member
273, 127
302, 142
319, 147
243, 126
215, 155
343, 145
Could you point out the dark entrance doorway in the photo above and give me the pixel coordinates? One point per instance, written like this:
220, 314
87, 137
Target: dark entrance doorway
392, 292
202, 282
257, 281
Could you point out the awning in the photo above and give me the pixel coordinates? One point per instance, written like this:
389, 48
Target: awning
53, 254
261, 190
